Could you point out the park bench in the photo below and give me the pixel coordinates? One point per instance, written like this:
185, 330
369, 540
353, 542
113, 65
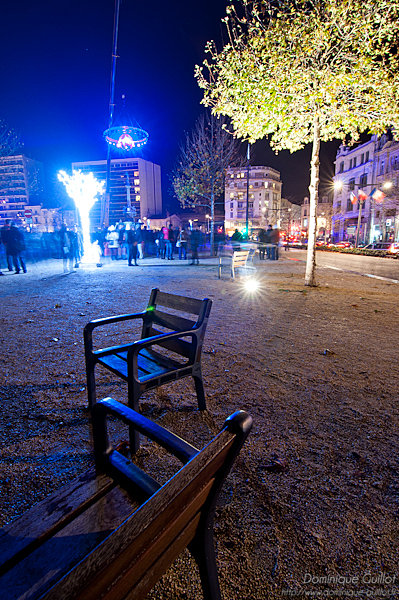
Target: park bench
112, 535
169, 348
239, 259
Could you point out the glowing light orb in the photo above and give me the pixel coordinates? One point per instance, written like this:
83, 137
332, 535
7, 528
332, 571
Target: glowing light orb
251, 286
83, 188
126, 138
125, 141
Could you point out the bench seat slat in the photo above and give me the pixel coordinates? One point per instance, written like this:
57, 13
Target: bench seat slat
50, 515
56, 556
145, 557
148, 362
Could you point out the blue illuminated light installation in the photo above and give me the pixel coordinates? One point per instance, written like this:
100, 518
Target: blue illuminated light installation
123, 138
126, 138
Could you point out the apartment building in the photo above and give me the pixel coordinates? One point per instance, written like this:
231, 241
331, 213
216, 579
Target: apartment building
366, 184
135, 190
21, 189
264, 197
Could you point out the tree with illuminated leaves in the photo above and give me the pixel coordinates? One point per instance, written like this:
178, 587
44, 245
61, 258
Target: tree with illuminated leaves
10, 142
306, 71
198, 178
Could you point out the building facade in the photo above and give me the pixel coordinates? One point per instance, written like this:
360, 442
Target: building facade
324, 213
135, 190
21, 188
264, 190
358, 212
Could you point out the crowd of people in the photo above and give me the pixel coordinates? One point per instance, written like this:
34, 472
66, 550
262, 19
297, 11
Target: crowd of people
133, 242
123, 241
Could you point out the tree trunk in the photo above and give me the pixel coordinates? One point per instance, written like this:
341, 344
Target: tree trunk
212, 237
310, 274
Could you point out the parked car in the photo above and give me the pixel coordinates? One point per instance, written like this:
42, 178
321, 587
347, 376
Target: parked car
389, 247
343, 244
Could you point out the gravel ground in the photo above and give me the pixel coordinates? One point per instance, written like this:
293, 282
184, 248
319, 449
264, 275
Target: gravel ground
311, 508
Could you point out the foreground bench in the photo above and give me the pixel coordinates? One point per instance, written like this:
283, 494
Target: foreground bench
170, 346
111, 536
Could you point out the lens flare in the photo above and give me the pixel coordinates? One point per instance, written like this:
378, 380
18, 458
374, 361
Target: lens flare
83, 188
251, 285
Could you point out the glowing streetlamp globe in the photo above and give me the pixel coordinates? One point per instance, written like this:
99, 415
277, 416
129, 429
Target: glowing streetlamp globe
125, 138
83, 188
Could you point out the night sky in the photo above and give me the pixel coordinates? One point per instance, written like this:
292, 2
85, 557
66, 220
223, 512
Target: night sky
55, 71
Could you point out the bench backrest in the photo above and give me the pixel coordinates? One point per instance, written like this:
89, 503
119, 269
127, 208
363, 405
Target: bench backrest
171, 312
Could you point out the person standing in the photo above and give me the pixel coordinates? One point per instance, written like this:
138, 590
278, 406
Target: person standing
262, 243
275, 240
5, 235
132, 243
170, 242
195, 240
1, 272
140, 242
16, 246
66, 248
182, 244
268, 242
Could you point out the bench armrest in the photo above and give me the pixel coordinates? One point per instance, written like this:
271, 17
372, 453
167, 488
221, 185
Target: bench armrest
165, 438
114, 319
88, 330
134, 347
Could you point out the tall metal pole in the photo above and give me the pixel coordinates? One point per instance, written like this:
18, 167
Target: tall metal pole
247, 207
105, 212
359, 221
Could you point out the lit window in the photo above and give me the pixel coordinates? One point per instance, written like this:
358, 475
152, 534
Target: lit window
232, 195
136, 173
232, 175
137, 182
137, 198
137, 190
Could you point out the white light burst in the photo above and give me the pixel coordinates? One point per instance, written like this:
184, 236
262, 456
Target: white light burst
83, 188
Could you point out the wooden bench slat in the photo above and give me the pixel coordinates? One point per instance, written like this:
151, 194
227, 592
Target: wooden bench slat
174, 322
140, 558
182, 303
50, 515
57, 555
179, 346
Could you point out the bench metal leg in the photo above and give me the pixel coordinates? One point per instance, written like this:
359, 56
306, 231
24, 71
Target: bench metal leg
133, 402
199, 388
91, 383
203, 550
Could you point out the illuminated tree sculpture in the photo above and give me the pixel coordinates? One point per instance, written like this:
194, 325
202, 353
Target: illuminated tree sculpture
83, 189
306, 71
